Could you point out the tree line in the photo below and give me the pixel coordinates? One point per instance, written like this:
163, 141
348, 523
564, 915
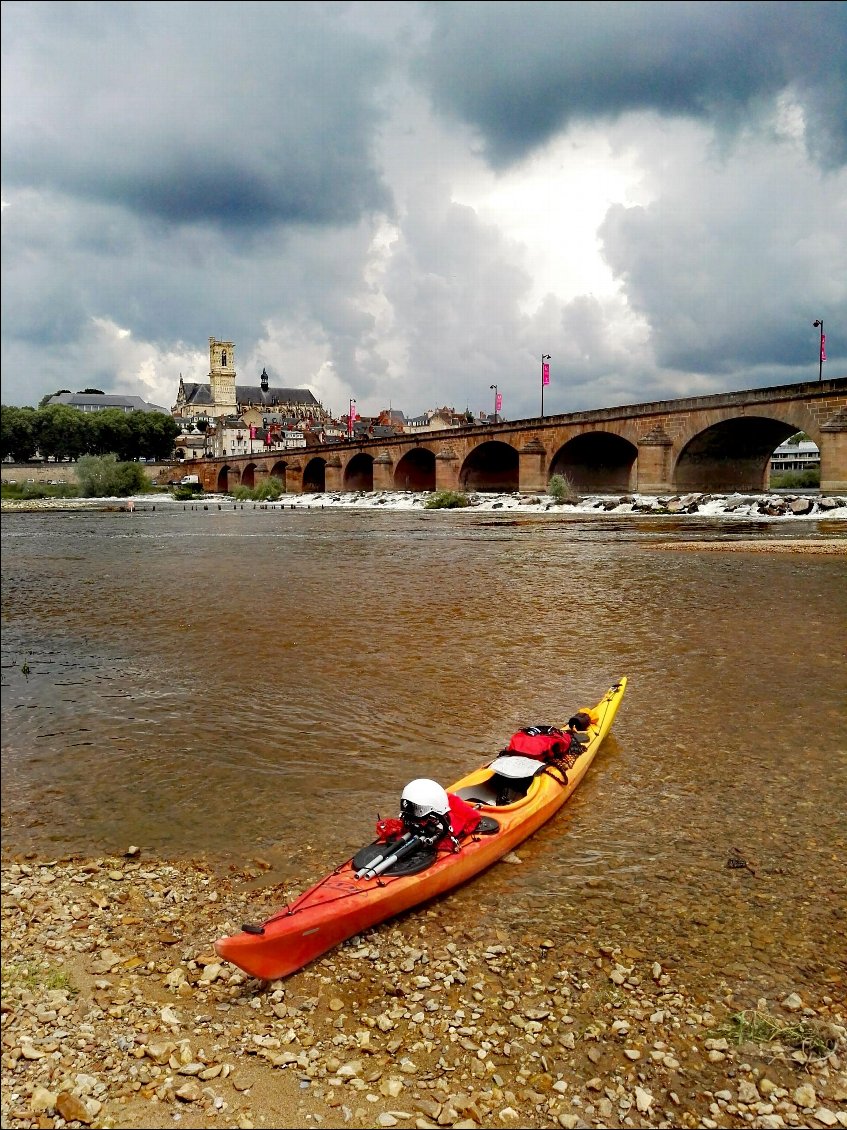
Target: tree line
57, 431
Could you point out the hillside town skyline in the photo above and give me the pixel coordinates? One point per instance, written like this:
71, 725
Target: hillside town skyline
224, 417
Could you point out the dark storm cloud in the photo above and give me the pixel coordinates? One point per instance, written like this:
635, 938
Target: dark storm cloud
234, 114
519, 73
267, 173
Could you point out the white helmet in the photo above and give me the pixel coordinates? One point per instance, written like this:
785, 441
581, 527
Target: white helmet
421, 797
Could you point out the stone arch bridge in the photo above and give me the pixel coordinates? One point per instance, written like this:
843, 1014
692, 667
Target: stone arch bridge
719, 443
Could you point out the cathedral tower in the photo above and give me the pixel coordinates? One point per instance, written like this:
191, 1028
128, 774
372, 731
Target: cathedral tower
222, 377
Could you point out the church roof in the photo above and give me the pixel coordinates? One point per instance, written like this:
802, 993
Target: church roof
201, 394
255, 394
197, 393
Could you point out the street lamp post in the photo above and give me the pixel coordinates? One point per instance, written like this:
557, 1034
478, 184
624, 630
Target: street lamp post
545, 377
495, 401
819, 322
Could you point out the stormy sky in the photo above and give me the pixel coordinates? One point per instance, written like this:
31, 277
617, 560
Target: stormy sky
406, 203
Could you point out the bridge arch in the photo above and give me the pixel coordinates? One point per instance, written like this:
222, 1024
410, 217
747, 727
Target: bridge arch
222, 483
278, 470
248, 475
596, 461
493, 466
731, 455
314, 476
416, 470
359, 472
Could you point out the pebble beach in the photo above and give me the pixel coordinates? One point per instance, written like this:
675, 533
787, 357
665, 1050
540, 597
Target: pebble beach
117, 1013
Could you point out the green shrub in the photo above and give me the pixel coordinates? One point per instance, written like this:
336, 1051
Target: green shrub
102, 476
789, 480
446, 500
560, 490
267, 491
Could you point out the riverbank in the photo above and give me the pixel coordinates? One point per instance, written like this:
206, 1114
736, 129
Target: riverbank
118, 1014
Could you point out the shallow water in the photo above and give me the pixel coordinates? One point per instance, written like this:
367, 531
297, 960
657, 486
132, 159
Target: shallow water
263, 682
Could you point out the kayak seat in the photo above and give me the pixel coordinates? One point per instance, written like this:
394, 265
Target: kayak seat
510, 789
481, 793
496, 791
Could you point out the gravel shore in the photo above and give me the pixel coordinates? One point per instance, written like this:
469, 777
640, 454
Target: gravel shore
117, 1013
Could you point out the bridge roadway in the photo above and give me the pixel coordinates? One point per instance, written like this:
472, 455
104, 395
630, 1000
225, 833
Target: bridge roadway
719, 443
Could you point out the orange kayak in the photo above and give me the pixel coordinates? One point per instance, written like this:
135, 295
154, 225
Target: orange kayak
351, 899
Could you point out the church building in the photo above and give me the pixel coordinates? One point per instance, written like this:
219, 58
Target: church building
261, 403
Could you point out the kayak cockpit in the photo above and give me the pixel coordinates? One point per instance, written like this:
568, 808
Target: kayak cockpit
507, 781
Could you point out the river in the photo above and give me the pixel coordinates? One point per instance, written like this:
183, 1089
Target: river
242, 683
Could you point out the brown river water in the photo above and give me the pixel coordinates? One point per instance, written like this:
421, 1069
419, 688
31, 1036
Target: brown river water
236, 684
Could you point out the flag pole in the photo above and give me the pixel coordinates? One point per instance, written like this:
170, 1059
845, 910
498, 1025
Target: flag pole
545, 378
822, 355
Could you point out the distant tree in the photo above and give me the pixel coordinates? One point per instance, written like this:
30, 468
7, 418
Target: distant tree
45, 400
62, 432
91, 391
160, 430
110, 434
17, 433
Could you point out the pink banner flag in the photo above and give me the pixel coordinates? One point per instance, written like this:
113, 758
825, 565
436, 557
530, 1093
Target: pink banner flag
498, 402
252, 431
823, 347
545, 374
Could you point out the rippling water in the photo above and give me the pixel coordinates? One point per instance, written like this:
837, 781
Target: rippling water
263, 682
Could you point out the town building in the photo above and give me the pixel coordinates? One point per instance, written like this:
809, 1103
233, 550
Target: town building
232, 435
100, 401
801, 456
439, 419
